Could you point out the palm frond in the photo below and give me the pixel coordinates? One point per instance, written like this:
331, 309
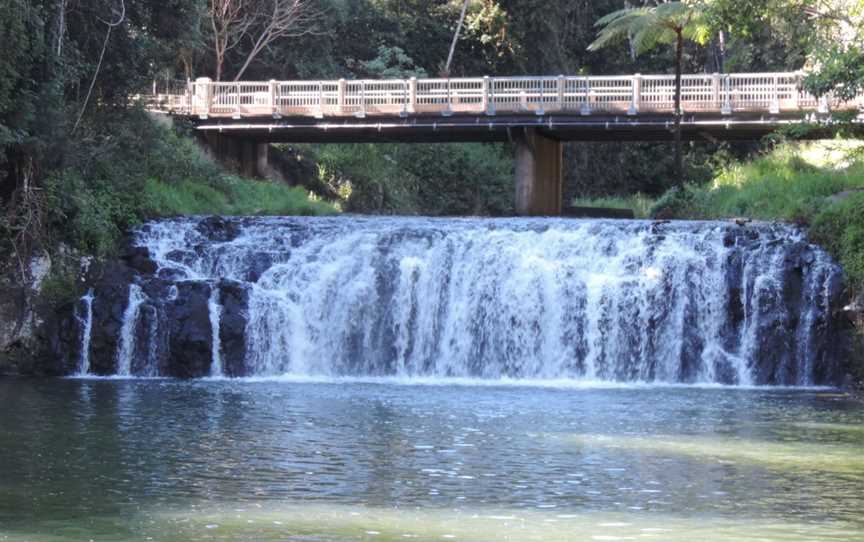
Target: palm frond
648, 27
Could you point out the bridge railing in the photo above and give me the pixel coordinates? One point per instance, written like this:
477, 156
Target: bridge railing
770, 93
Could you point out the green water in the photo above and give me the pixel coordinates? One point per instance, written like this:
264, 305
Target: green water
344, 461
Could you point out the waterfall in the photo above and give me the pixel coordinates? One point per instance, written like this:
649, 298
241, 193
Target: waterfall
517, 298
128, 338
86, 325
215, 312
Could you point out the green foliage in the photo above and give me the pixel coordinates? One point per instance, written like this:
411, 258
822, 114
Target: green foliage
134, 170
678, 202
433, 179
229, 196
640, 204
840, 228
650, 26
841, 71
60, 287
780, 185
391, 63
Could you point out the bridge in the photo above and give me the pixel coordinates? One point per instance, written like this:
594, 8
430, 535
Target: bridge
239, 119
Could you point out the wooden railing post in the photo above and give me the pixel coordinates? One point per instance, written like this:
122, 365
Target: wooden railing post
412, 95
636, 101
340, 95
715, 91
203, 97
562, 82
484, 99
586, 105
797, 89
726, 107
274, 100
236, 114
774, 108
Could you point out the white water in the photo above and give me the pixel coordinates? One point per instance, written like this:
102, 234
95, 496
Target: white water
517, 299
128, 340
215, 311
86, 324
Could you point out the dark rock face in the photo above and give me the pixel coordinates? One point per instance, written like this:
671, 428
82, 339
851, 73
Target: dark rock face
111, 284
138, 259
234, 299
190, 339
218, 229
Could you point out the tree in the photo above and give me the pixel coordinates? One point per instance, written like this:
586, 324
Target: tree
230, 21
280, 19
649, 26
262, 22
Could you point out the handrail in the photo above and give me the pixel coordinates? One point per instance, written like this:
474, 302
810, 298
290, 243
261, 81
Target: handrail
772, 93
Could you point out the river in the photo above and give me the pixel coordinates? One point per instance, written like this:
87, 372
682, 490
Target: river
386, 460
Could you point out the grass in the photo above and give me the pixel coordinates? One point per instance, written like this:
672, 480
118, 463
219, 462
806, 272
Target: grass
790, 183
640, 204
230, 196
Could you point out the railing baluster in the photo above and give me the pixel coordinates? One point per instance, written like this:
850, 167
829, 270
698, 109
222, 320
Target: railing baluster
586, 105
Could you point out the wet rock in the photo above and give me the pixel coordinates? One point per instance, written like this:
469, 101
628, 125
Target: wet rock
261, 262
111, 282
190, 336
219, 229
138, 258
234, 300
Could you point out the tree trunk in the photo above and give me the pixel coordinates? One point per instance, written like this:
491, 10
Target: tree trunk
679, 151
721, 47
219, 62
455, 38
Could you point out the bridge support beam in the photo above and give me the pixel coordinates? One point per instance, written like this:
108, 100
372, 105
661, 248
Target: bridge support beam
247, 157
539, 173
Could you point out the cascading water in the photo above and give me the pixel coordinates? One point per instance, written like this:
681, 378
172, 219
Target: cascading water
518, 298
85, 322
215, 312
128, 333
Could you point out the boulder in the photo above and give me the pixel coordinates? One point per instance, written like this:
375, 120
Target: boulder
218, 229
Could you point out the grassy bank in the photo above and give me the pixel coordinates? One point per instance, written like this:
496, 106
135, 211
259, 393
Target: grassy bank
229, 195
137, 170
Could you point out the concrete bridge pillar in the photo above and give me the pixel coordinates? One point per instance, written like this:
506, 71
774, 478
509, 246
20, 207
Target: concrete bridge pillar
539, 174
247, 157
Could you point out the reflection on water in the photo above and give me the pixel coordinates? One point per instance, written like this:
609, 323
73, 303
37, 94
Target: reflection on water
790, 454
132, 460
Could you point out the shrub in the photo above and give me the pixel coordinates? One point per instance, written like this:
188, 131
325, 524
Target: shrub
678, 202
840, 228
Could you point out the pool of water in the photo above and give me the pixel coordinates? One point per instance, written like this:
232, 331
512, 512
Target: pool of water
367, 460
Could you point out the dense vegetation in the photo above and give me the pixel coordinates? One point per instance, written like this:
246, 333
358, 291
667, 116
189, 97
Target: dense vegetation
80, 162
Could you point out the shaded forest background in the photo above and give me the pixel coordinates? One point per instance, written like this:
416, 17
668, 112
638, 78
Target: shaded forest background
80, 162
